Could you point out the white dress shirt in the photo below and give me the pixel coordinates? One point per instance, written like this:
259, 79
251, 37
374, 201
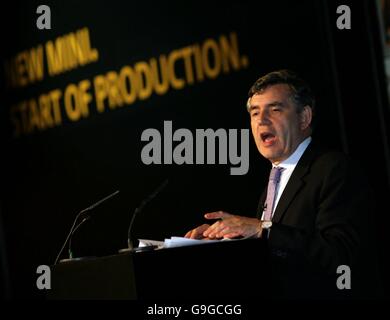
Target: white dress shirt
288, 166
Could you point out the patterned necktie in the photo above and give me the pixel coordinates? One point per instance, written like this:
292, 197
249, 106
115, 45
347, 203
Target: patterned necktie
273, 182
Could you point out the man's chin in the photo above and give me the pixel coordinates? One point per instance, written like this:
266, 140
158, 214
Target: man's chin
271, 156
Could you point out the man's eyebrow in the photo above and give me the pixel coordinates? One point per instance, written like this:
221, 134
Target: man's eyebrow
275, 104
268, 105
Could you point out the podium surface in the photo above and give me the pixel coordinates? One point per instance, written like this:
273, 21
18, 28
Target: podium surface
232, 268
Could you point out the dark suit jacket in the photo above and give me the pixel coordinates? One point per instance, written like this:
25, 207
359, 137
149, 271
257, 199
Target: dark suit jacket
322, 220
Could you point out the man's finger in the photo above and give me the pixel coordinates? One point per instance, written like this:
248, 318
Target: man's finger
197, 232
188, 234
217, 215
218, 232
231, 235
212, 229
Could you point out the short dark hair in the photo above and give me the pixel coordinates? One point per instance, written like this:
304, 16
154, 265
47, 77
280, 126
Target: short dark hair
300, 90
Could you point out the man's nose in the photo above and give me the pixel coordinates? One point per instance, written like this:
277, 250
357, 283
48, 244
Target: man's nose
264, 117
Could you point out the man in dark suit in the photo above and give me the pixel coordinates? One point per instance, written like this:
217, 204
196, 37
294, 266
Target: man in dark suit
318, 217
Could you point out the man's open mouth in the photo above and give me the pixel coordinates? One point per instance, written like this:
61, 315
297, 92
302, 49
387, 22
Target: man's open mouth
267, 137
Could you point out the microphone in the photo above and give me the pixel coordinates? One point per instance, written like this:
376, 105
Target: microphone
70, 253
139, 209
75, 226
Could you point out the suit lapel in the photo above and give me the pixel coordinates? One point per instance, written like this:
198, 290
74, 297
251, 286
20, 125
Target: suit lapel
295, 183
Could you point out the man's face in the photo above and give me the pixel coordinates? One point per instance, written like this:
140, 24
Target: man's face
277, 127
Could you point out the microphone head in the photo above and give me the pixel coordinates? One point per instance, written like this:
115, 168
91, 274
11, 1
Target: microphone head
158, 190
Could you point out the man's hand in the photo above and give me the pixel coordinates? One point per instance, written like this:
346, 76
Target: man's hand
229, 226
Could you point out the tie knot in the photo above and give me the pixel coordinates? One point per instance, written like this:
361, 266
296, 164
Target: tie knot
275, 174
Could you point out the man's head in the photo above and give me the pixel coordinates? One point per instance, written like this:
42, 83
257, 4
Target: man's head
281, 108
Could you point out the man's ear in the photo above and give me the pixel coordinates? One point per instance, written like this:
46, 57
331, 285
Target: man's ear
305, 117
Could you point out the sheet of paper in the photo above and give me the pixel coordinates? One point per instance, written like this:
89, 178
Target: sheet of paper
180, 242
176, 242
146, 243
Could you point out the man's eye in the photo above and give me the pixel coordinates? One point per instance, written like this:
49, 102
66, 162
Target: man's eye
276, 109
254, 114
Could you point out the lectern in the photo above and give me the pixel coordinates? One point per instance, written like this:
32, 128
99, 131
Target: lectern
232, 268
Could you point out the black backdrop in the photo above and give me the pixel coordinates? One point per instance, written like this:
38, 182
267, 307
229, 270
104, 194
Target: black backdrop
49, 175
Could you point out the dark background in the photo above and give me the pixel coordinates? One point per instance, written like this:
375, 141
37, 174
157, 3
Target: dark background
49, 176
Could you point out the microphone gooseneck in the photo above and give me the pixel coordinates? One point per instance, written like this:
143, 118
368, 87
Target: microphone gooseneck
140, 208
75, 226
70, 252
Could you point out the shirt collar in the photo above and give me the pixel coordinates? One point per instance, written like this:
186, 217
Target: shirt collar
292, 160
